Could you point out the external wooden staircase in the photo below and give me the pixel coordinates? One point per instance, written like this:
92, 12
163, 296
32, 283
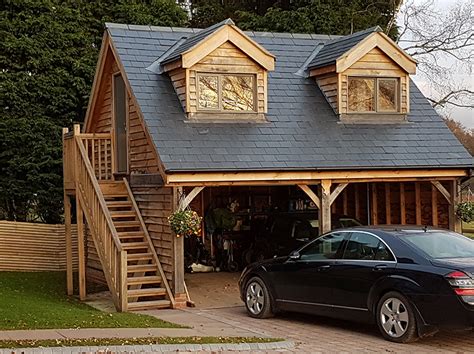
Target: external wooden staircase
129, 261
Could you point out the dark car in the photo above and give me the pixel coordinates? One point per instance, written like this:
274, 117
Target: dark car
410, 282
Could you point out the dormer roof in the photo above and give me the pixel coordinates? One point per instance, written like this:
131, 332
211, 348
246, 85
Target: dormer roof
192, 49
342, 52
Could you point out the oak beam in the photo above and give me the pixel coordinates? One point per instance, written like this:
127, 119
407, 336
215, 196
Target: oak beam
303, 177
338, 191
184, 203
442, 190
309, 192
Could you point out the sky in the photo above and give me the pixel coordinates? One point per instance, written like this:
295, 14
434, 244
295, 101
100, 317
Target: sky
464, 115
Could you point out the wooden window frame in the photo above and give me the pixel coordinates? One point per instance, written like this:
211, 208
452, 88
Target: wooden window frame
220, 77
127, 125
398, 94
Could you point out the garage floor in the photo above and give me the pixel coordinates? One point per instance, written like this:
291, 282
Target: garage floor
213, 290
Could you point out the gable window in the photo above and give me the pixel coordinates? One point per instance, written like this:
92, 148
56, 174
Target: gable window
367, 94
226, 92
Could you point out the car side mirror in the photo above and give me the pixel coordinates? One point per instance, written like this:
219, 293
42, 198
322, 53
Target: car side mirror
294, 256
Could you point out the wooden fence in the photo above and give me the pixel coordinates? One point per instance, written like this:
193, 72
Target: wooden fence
34, 247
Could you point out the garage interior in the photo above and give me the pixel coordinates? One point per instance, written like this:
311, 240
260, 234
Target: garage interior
242, 224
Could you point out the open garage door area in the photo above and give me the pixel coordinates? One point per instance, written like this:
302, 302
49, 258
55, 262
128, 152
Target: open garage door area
244, 224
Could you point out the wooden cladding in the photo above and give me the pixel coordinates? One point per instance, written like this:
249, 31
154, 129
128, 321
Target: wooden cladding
34, 247
155, 204
374, 64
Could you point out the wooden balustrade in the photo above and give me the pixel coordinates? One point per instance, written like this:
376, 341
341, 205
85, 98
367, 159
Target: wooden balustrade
99, 148
104, 234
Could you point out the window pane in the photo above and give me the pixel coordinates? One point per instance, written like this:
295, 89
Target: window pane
361, 95
323, 248
362, 246
208, 96
237, 93
387, 95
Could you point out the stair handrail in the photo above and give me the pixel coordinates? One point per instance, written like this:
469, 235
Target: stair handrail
99, 194
150, 243
114, 265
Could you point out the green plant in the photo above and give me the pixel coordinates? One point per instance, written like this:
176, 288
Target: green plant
185, 223
465, 211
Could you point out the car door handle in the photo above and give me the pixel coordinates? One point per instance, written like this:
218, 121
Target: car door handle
323, 268
379, 268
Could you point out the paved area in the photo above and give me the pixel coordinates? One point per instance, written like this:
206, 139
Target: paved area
313, 334
213, 290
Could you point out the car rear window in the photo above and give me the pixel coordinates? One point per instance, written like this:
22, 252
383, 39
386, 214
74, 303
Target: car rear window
439, 245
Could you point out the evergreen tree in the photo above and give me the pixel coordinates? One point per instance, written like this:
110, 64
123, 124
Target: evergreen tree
48, 55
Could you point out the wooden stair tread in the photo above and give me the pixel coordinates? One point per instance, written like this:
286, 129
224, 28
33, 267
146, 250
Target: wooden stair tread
122, 214
134, 245
156, 304
141, 268
130, 223
146, 292
139, 256
151, 279
118, 203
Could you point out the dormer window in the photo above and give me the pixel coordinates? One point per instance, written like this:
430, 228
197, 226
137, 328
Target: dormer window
365, 77
371, 95
226, 92
219, 74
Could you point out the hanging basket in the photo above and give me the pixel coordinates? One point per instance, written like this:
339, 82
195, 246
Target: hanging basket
465, 211
185, 223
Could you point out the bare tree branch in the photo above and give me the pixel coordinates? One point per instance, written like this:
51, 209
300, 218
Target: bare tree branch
442, 42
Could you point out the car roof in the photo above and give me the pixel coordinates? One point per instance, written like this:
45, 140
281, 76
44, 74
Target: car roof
399, 230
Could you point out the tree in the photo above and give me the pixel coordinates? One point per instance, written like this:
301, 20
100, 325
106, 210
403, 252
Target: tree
464, 135
304, 16
48, 55
443, 44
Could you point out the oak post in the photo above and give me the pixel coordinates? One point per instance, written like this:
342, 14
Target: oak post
454, 221
68, 235
81, 250
375, 211
388, 206
434, 205
178, 258
357, 201
418, 203
325, 206
403, 215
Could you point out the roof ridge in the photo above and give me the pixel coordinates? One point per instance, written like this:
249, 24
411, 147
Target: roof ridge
195, 30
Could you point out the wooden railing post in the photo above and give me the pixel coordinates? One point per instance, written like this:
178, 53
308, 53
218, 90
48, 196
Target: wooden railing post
123, 281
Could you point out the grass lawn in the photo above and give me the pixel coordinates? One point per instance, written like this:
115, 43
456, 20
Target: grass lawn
38, 301
470, 226
132, 341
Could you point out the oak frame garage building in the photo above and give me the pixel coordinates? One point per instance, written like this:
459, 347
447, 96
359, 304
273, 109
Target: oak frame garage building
265, 118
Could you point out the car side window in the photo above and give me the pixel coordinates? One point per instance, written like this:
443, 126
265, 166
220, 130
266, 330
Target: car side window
326, 247
362, 246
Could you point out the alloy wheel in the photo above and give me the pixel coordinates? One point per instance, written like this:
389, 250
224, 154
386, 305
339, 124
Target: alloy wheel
255, 299
394, 317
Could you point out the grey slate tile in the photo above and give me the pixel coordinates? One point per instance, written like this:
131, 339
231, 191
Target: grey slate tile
302, 132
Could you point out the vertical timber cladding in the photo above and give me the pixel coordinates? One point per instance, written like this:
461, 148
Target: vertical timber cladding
390, 192
155, 204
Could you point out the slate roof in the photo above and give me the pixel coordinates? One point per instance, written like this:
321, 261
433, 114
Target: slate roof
191, 41
332, 50
303, 131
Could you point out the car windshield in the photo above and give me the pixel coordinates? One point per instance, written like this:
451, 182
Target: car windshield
439, 245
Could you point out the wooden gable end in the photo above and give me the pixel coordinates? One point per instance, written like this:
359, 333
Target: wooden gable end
142, 156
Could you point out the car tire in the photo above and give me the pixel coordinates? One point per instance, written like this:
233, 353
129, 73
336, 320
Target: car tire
396, 318
257, 299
